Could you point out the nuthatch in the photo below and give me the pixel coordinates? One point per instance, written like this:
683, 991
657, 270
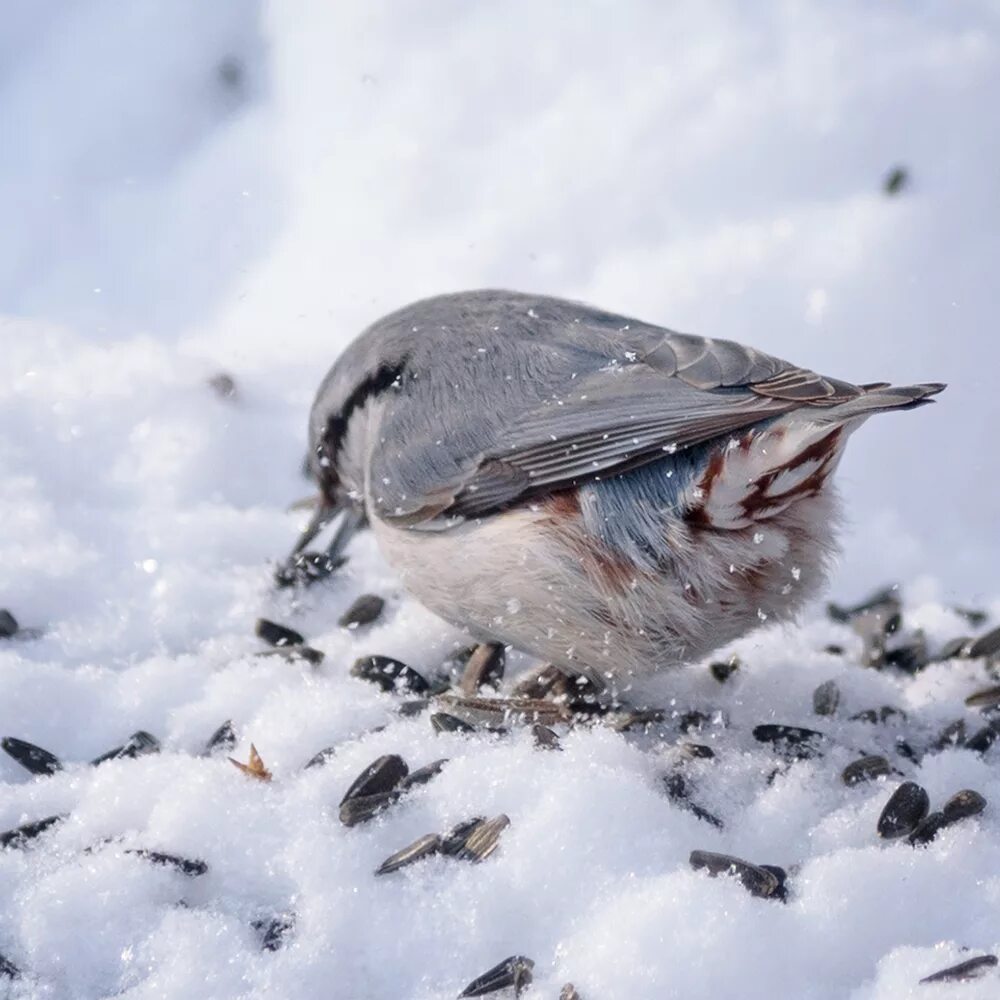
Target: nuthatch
610, 496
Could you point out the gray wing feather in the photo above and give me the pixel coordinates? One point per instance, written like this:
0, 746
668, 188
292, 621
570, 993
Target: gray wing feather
591, 395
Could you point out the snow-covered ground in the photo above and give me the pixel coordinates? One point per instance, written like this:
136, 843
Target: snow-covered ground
194, 188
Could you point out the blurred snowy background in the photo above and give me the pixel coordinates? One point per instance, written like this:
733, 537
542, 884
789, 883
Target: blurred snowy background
188, 188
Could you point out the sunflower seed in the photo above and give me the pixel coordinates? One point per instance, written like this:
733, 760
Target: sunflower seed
363, 808
222, 740
981, 740
973, 616
928, 829
223, 385
963, 804
483, 840
381, 775
907, 807
905, 750
513, 972
8, 969
410, 709
186, 866
8, 624
795, 742
454, 840
273, 930
910, 657
834, 649
445, 723
986, 645
691, 720
885, 600
139, 744
953, 735
34, 759
422, 775
545, 738
957, 647
637, 719
499, 712
865, 769
277, 635
320, 758
724, 670
895, 181
782, 876
826, 698
366, 609
971, 968
307, 568
539, 682
756, 880
484, 668
20, 835
568, 992
697, 751
984, 698
389, 674
677, 791
423, 847
292, 653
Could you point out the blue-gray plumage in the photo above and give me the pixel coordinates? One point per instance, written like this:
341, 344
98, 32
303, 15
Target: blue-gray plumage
610, 495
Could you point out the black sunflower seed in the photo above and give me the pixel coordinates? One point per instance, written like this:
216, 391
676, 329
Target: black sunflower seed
826, 698
139, 744
986, 645
981, 740
782, 876
21, 835
278, 635
366, 609
545, 738
292, 653
222, 740
957, 647
568, 992
697, 751
971, 968
321, 757
984, 698
273, 931
905, 750
186, 866
795, 742
722, 671
677, 791
865, 769
8, 624
910, 657
834, 649
756, 880
895, 181
953, 735
307, 568
382, 775
422, 847
638, 719
454, 840
882, 600
8, 969
223, 385
484, 668
445, 723
422, 775
363, 808
928, 829
389, 674
512, 973
410, 709
483, 840
963, 804
32, 758
907, 807
975, 617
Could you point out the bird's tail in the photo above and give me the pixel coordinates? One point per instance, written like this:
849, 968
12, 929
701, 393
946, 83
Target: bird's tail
879, 397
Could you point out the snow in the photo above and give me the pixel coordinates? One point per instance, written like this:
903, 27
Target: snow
201, 188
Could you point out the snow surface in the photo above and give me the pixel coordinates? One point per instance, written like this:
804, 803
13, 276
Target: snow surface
206, 187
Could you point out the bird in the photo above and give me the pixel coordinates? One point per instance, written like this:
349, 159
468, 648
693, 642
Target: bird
610, 496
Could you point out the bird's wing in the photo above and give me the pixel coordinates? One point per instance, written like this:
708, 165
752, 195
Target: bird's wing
605, 404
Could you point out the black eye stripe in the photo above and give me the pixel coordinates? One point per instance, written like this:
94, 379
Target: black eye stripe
383, 378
